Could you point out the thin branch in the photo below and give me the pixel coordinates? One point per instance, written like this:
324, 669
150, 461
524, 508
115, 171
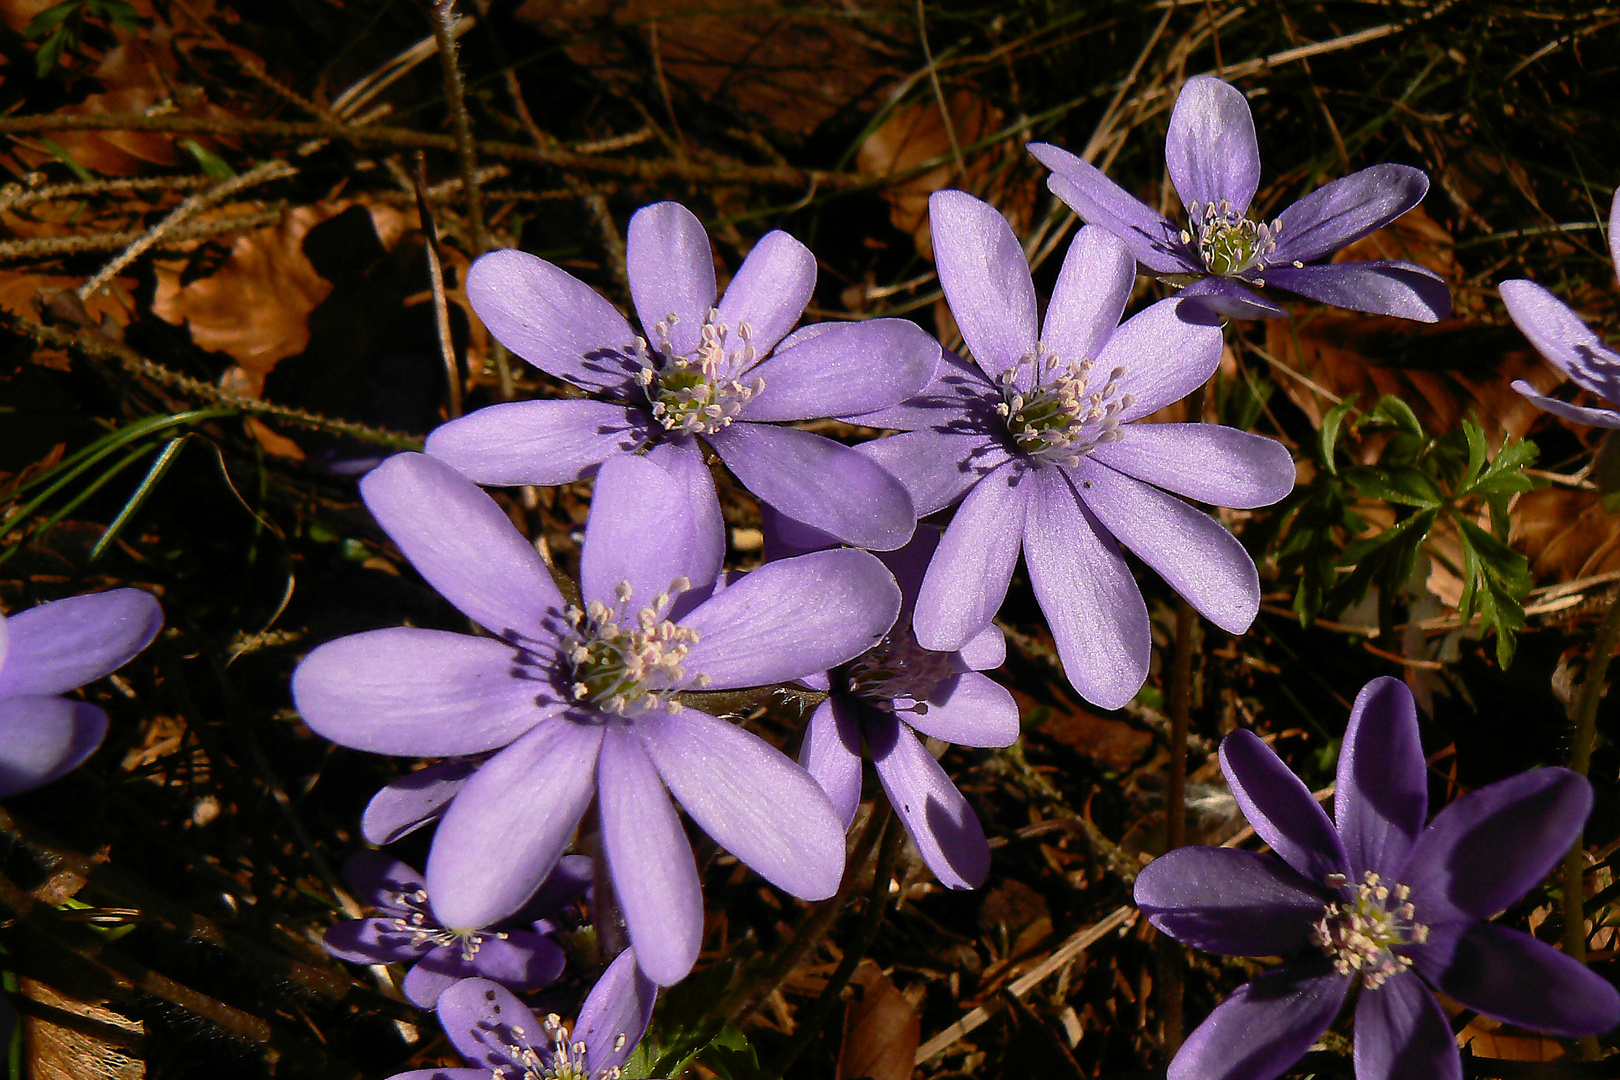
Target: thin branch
444, 21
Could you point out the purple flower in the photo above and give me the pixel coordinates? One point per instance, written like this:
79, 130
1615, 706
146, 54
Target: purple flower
1375, 899
46, 652
701, 369
1037, 443
416, 799
502, 1040
1214, 163
406, 930
1568, 344
891, 695
579, 701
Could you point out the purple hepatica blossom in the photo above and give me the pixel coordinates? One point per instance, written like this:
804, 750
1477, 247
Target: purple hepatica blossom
414, 800
46, 652
1569, 344
502, 1040
406, 930
893, 693
703, 370
1038, 440
1214, 163
580, 702
1377, 901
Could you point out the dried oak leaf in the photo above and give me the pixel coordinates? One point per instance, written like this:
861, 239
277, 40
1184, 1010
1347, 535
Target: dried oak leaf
1565, 534
881, 1029
65, 1038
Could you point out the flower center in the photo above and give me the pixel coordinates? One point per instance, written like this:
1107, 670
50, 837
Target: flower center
1060, 418
899, 668
699, 392
1362, 933
426, 930
567, 1059
1228, 242
617, 661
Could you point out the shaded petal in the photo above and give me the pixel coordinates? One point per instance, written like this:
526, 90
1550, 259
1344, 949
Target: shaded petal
958, 392
750, 798
785, 537
985, 650
832, 755
507, 828
1513, 977
1339, 213
986, 279
462, 544
372, 941
1264, 1027
44, 738
1598, 417
671, 271
655, 878
413, 692
1226, 297
1559, 335
643, 530
687, 461
1378, 287
1167, 351
1281, 808
1090, 295
62, 645
412, 801
1207, 462
1240, 903
442, 1074
937, 467
1153, 240
538, 442
520, 960
1401, 1034
482, 1020
968, 577
770, 290
553, 320
1210, 149
910, 563
1492, 846
792, 618
422, 985
1191, 550
1091, 602
615, 1014
1381, 798
968, 709
567, 882
813, 479
379, 879
852, 368
936, 816
1614, 232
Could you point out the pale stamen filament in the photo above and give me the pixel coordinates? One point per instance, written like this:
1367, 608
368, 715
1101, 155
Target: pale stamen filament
1058, 417
1363, 933
619, 659
702, 391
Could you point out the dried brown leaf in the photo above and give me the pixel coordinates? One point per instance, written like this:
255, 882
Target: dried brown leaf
881, 1029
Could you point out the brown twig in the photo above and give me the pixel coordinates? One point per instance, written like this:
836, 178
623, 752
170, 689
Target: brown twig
441, 306
48, 247
444, 20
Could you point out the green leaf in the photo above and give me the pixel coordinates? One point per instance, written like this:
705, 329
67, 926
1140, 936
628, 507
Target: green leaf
51, 18
1331, 423
1406, 485
211, 164
1392, 410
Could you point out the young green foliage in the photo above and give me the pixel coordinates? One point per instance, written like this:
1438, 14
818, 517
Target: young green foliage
62, 27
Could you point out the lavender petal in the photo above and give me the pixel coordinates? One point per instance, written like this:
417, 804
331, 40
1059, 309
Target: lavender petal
642, 531
615, 1015
1226, 297
770, 289
482, 1020
45, 738
937, 467
423, 985
655, 879
1339, 213
968, 709
1560, 336
1281, 808
1092, 290
380, 880
986, 279
671, 271
1167, 351
968, 577
1210, 149
1263, 1028
372, 941
1378, 287
1381, 798
1239, 903
1401, 1034
412, 801
1098, 200
1206, 462
832, 755
507, 828
684, 460
852, 368
985, 650
538, 442
936, 816
1581, 414
958, 391
62, 645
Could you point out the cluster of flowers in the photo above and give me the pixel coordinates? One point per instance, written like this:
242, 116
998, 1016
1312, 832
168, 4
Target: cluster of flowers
574, 710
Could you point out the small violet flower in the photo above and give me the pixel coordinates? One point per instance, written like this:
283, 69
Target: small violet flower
1037, 443
1374, 900
1220, 254
48, 651
579, 700
518, 953
1568, 344
716, 370
502, 1040
891, 695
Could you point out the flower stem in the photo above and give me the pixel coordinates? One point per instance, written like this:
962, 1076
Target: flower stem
816, 1016
1580, 760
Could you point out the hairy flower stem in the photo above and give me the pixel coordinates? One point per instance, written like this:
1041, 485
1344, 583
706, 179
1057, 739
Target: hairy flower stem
877, 903
811, 929
1580, 760
606, 918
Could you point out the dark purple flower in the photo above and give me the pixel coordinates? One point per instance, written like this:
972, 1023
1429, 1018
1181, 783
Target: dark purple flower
1375, 900
406, 930
701, 369
1569, 344
1037, 443
580, 703
48, 651
502, 1040
892, 694
1214, 163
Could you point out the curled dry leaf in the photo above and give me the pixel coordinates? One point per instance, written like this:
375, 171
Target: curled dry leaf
1566, 534
66, 1038
881, 1029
